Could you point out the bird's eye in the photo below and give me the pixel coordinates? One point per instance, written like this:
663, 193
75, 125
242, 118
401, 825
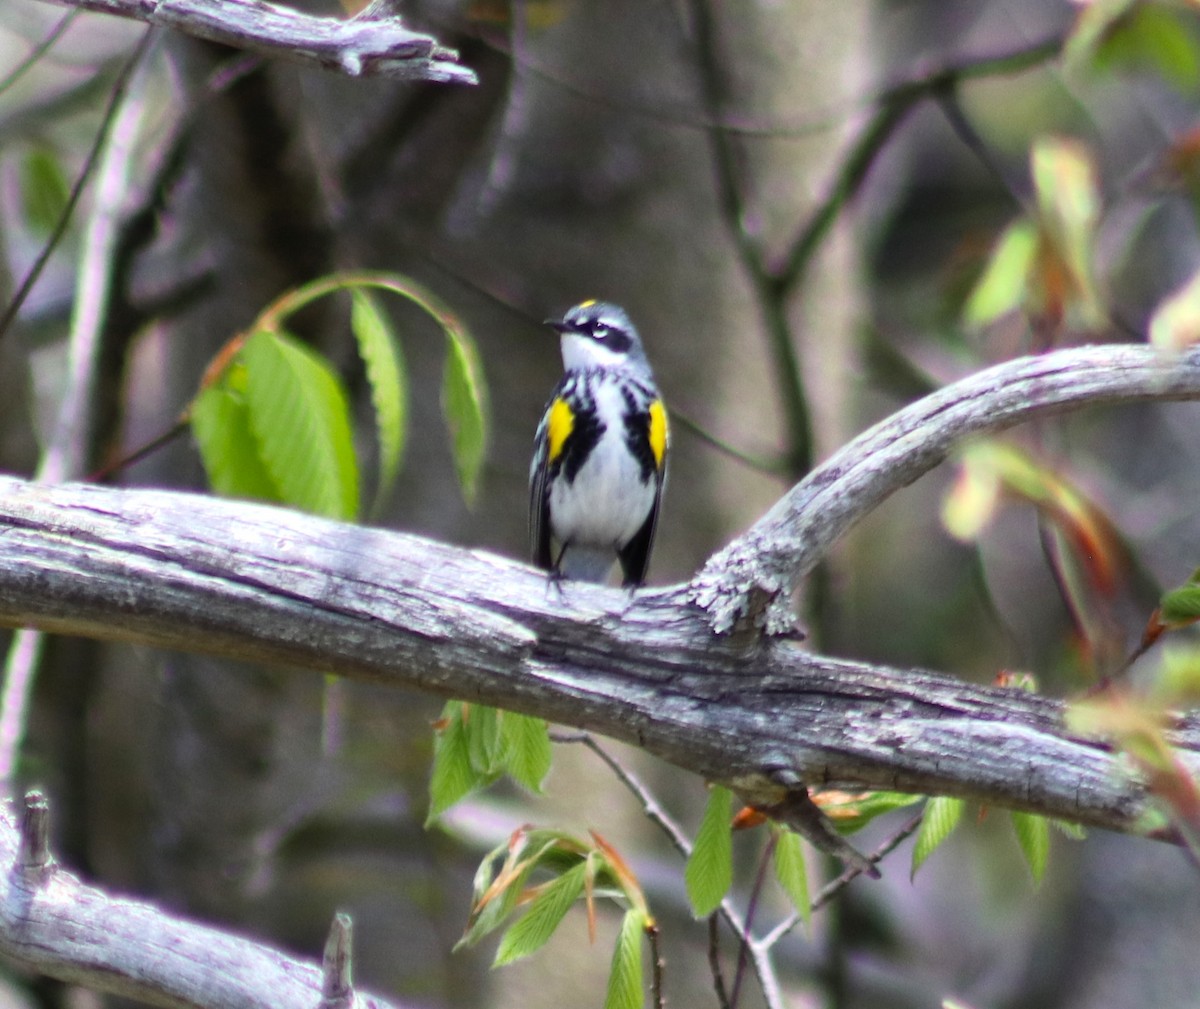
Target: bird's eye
600, 330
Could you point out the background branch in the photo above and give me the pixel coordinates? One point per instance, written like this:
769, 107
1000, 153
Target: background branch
373, 43
53, 924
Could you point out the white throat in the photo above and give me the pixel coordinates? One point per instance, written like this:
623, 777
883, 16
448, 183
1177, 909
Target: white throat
583, 352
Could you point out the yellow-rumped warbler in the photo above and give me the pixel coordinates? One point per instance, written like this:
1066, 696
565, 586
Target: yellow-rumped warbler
600, 455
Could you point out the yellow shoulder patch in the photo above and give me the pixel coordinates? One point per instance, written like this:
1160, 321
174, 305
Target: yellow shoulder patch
560, 422
659, 434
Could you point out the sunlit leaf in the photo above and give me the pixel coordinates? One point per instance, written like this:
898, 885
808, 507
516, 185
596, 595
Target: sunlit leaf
463, 405
851, 811
301, 420
1175, 323
1033, 835
1181, 606
530, 932
454, 776
388, 377
942, 815
527, 749
1005, 281
1068, 198
1151, 37
709, 871
626, 989
220, 424
1177, 683
792, 873
44, 189
485, 742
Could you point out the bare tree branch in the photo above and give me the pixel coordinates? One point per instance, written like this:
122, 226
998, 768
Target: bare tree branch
753, 578
751, 711
373, 43
53, 924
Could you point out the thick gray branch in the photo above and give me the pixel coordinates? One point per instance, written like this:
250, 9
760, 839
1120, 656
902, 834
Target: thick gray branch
223, 577
373, 43
53, 924
755, 575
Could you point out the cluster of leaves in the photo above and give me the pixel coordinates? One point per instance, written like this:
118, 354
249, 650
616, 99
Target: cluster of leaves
273, 420
578, 869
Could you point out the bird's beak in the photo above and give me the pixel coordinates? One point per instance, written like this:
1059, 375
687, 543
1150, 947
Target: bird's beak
558, 325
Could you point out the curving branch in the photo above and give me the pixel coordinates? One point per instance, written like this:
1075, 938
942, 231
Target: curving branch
372, 43
747, 709
753, 578
53, 924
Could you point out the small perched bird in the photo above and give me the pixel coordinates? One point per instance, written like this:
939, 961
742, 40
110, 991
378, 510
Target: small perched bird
600, 454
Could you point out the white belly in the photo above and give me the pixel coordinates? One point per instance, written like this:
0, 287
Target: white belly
607, 503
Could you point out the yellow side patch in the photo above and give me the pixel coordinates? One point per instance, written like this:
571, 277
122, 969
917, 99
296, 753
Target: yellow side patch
658, 432
560, 422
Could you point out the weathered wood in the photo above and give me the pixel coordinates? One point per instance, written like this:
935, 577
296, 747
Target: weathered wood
374, 43
53, 924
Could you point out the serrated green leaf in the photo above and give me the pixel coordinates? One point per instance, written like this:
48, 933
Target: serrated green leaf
942, 814
792, 873
485, 744
527, 751
1033, 835
44, 189
463, 397
301, 420
388, 377
1005, 281
709, 872
529, 933
453, 777
626, 989
220, 424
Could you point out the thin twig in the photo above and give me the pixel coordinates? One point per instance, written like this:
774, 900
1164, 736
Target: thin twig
891, 107
89, 163
760, 879
656, 968
65, 456
714, 960
763, 968
38, 51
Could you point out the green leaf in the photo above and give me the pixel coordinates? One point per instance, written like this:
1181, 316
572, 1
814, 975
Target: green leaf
1175, 324
792, 873
1005, 281
1075, 831
388, 378
221, 426
1033, 835
527, 750
1151, 37
44, 189
301, 419
453, 776
625, 987
530, 932
485, 744
709, 872
851, 811
1180, 606
942, 814
463, 397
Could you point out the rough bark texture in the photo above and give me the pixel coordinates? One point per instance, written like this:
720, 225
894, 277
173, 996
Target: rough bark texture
742, 707
373, 43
